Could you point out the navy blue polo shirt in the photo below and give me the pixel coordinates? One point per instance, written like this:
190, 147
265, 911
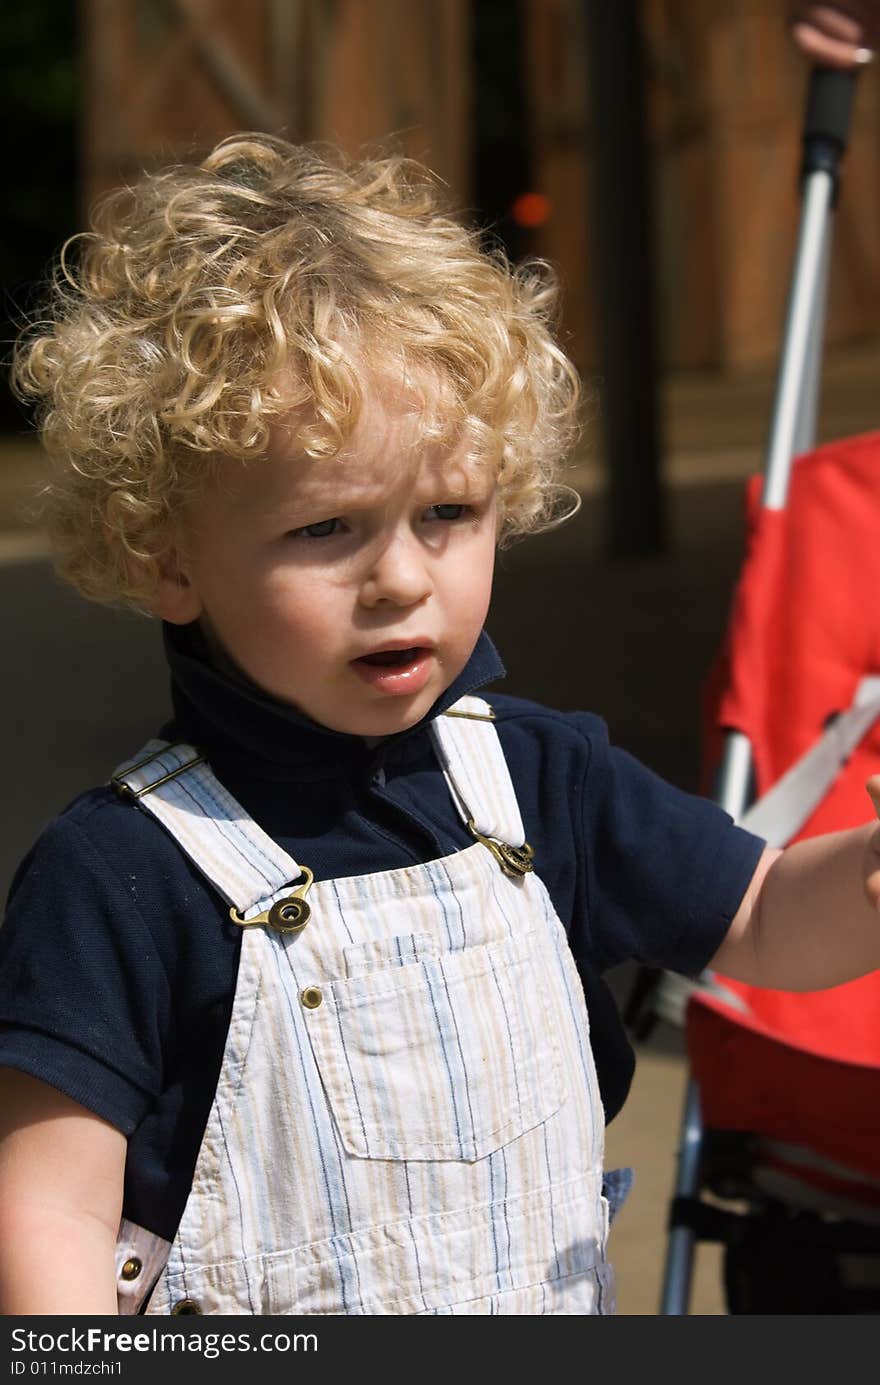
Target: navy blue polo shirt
118, 961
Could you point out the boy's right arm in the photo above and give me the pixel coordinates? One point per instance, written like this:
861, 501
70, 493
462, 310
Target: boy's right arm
61, 1177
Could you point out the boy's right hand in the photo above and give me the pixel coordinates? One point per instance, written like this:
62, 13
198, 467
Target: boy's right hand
61, 1175
841, 35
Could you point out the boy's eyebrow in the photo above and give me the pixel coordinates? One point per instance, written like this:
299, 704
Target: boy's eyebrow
473, 488
296, 514
458, 488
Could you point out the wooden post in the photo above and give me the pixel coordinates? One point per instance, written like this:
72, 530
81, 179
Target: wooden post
624, 267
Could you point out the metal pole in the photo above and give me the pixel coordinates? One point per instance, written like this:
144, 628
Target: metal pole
678, 1271
800, 330
735, 777
808, 411
624, 265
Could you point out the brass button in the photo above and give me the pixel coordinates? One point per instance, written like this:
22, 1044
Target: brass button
132, 1268
185, 1306
311, 997
288, 915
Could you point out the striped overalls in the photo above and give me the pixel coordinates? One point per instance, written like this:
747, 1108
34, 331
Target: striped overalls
407, 1118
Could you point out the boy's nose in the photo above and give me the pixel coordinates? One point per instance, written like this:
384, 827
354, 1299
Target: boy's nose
398, 574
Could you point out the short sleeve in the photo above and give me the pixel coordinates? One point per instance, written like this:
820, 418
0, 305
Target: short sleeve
84, 997
667, 870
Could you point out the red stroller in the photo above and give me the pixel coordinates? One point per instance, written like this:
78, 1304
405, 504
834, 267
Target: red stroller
780, 1151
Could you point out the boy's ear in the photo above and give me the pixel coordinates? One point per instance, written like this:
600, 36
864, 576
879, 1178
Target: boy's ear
175, 599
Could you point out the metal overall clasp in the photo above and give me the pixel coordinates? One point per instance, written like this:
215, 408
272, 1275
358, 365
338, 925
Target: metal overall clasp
287, 915
513, 860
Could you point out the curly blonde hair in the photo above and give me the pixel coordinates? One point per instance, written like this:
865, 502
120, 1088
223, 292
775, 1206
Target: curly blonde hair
211, 299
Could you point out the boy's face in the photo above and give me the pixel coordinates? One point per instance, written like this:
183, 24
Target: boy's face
353, 589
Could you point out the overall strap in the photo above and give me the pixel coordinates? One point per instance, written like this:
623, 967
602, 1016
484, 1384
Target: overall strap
473, 762
175, 785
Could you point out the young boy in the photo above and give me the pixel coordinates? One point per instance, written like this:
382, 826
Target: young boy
303, 1012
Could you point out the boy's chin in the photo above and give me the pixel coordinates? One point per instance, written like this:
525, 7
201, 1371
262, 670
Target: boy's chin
382, 719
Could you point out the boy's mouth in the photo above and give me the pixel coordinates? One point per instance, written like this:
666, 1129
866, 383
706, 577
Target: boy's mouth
396, 671
391, 656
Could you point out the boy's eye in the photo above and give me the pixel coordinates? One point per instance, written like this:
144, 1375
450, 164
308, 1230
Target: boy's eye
447, 512
321, 530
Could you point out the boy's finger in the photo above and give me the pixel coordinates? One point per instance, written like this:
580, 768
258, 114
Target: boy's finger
873, 788
872, 860
872, 886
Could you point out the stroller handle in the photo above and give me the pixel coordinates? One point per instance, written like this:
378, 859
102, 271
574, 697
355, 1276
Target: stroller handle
827, 120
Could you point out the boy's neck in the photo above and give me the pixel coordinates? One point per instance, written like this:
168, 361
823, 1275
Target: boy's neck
220, 709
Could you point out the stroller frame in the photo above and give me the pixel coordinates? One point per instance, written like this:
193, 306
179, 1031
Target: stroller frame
764, 1232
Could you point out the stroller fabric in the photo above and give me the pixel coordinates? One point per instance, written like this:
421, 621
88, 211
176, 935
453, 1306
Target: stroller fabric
801, 1069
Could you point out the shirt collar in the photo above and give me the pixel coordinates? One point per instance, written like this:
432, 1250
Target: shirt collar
228, 717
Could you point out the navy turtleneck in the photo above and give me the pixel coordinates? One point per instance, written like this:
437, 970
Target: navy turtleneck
232, 719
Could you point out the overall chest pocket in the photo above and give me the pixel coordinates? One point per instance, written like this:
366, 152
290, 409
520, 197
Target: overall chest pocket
439, 1057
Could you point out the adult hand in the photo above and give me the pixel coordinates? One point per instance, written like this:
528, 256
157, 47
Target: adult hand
841, 35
